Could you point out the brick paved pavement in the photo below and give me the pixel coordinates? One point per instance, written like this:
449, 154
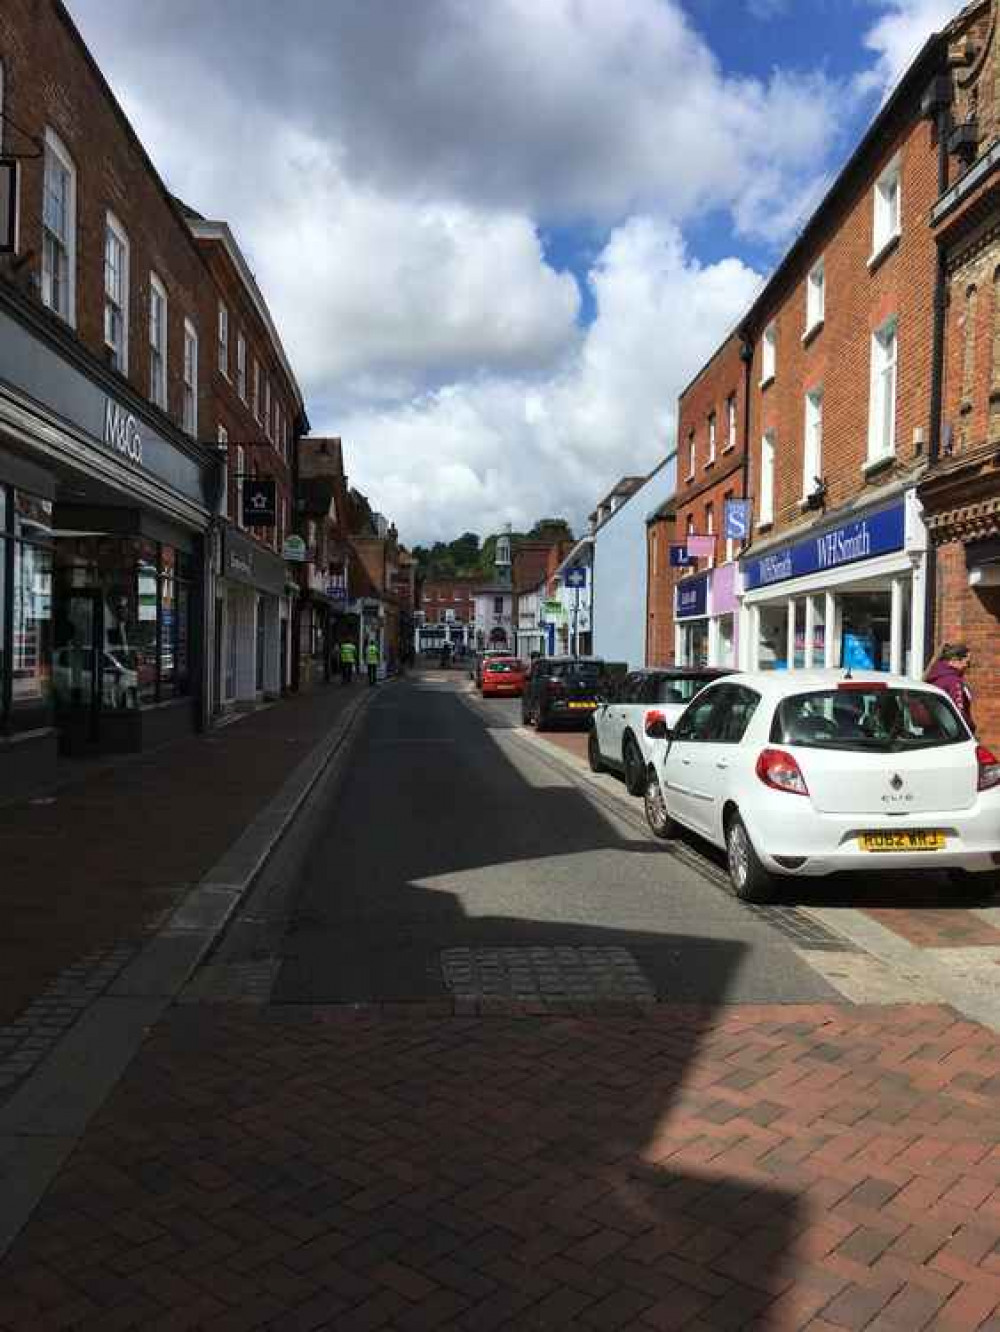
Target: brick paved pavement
88, 874
761, 1167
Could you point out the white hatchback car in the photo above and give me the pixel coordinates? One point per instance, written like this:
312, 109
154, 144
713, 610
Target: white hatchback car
620, 736
814, 772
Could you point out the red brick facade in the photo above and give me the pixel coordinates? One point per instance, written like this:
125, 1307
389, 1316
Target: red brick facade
451, 597
711, 416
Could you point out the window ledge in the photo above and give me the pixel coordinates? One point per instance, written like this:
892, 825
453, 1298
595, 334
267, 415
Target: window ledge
710, 464
766, 383
876, 465
812, 331
765, 527
883, 252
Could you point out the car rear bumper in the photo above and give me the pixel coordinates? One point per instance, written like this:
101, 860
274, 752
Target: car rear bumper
811, 844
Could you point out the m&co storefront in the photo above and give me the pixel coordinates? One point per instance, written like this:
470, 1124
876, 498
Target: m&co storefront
852, 593
104, 508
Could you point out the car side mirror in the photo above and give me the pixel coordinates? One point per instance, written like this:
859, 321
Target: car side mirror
657, 729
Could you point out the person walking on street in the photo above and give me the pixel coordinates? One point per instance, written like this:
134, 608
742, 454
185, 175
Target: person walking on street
348, 661
372, 661
947, 671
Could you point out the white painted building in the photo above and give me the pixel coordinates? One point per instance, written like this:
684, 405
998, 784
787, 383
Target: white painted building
620, 570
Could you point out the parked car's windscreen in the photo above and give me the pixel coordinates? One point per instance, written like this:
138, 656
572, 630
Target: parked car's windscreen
503, 666
680, 690
877, 720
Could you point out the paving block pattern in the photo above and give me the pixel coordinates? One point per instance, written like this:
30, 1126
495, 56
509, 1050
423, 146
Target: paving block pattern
763, 1167
537, 975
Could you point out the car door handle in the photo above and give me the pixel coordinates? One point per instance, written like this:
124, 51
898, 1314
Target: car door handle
723, 764
686, 762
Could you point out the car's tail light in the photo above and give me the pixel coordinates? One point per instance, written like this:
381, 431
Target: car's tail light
779, 770
656, 723
989, 768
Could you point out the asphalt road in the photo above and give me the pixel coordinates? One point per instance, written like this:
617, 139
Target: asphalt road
458, 858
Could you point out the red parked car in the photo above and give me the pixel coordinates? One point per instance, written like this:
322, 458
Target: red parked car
503, 676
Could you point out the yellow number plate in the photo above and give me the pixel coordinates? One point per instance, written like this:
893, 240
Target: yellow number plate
583, 705
902, 841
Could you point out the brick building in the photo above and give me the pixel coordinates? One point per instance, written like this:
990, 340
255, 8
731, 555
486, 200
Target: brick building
692, 610
255, 413
325, 509
961, 489
106, 496
448, 613
840, 411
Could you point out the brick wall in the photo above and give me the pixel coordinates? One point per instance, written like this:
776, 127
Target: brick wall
972, 616
449, 594
50, 82
860, 296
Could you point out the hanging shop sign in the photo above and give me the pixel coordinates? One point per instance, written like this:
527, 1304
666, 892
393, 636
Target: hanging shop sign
575, 576
878, 533
680, 559
260, 502
691, 597
294, 549
736, 517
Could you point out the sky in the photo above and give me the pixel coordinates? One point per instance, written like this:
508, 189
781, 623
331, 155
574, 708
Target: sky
498, 237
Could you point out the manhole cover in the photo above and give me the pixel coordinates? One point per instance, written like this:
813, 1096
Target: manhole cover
538, 974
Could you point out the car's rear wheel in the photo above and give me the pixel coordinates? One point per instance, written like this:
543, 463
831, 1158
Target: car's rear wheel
751, 881
986, 884
635, 767
657, 815
594, 753
543, 722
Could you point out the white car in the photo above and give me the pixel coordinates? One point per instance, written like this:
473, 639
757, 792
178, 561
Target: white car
814, 772
620, 735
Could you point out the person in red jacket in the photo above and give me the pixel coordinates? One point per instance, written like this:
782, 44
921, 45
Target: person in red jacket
947, 671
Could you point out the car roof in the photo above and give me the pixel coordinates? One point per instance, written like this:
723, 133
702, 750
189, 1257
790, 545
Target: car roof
780, 684
687, 672
595, 661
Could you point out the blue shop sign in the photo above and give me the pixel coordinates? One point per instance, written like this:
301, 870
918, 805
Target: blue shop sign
691, 597
878, 533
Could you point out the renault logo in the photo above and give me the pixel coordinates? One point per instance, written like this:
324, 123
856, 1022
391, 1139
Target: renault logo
896, 782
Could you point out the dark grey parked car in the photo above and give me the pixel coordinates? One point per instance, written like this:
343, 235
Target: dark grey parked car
562, 691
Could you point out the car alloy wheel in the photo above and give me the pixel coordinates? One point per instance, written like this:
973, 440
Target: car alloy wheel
751, 881
657, 814
635, 774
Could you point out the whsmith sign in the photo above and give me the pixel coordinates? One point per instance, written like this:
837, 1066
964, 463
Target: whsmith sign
878, 533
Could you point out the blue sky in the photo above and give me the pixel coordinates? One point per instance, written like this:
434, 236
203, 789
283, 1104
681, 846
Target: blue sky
498, 239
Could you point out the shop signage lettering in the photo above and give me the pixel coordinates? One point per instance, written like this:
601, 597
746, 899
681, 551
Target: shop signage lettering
692, 596
241, 564
122, 432
878, 533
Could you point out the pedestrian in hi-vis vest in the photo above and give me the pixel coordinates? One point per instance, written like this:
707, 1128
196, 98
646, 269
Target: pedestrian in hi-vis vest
348, 661
372, 659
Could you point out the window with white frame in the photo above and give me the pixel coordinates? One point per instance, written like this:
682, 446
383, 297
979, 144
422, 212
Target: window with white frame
256, 390
157, 342
223, 438
691, 453
886, 223
812, 444
768, 354
241, 462
731, 422
59, 230
882, 402
711, 437
241, 366
815, 296
189, 419
223, 339
765, 498
116, 266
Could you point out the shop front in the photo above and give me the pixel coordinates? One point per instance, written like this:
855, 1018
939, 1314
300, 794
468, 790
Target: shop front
104, 512
850, 595
251, 617
691, 622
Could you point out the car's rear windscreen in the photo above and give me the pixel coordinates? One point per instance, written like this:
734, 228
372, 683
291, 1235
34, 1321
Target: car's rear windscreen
867, 720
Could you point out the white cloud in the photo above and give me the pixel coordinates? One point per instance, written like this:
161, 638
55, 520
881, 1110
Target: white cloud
387, 167
899, 33
473, 454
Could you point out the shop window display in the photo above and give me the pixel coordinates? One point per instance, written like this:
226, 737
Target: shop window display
26, 598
